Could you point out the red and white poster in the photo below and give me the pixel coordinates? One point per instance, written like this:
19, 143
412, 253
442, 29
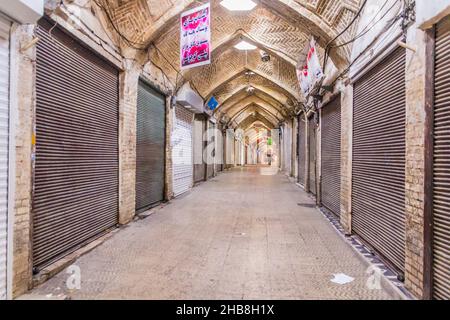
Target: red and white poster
309, 72
195, 37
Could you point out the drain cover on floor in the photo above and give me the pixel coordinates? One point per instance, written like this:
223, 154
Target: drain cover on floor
306, 205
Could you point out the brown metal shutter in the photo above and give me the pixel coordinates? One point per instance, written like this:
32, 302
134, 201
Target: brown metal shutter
199, 144
312, 155
379, 158
150, 147
331, 156
441, 200
301, 149
76, 174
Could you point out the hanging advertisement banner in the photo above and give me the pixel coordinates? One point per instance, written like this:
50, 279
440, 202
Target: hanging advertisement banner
195, 37
309, 70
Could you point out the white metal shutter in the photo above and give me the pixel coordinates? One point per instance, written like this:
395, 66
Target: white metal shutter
4, 145
183, 170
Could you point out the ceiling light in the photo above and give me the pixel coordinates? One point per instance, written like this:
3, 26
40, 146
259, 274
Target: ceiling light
243, 45
238, 5
250, 89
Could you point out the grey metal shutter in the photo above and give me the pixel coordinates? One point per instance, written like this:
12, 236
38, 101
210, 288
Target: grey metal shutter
379, 158
199, 144
331, 156
183, 170
312, 155
441, 189
4, 150
76, 170
150, 147
211, 140
301, 149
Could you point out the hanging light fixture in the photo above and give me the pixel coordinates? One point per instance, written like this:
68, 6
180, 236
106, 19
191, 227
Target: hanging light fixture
238, 5
244, 45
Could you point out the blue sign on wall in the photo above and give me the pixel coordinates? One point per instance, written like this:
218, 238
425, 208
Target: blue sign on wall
212, 103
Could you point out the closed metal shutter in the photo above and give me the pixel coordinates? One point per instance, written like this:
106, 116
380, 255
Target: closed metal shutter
441, 201
76, 174
4, 150
331, 156
312, 155
199, 144
150, 147
211, 147
301, 149
183, 170
379, 158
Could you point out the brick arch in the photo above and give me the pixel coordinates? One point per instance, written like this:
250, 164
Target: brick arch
255, 107
243, 98
237, 82
247, 122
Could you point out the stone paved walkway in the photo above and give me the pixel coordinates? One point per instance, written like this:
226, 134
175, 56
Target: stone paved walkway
240, 236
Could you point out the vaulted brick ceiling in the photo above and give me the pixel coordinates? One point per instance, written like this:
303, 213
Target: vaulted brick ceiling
282, 28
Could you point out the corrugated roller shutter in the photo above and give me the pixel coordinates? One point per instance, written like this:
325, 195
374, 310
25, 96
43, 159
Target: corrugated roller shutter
150, 147
4, 149
287, 149
379, 158
301, 149
312, 155
76, 173
331, 156
199, 165
183, 170
441, 200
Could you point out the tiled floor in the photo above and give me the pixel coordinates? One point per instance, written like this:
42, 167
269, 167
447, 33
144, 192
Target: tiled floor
240, 236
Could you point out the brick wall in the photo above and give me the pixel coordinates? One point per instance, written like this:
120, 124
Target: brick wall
25, 69
346, 157
128, 84
415, 161
169, 165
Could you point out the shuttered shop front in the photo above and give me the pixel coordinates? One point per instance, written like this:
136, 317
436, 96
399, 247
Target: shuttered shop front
150, 147
312, 155
379, 158
4, 150
76, 169
441, 200
301, 149
331, 156
199, 144
182, 157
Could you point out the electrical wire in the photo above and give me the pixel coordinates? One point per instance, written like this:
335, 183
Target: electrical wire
130, 43
327, 48
366, 29
376, 39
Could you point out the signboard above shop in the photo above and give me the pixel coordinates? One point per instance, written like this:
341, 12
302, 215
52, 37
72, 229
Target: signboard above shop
195, 37
309, 70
